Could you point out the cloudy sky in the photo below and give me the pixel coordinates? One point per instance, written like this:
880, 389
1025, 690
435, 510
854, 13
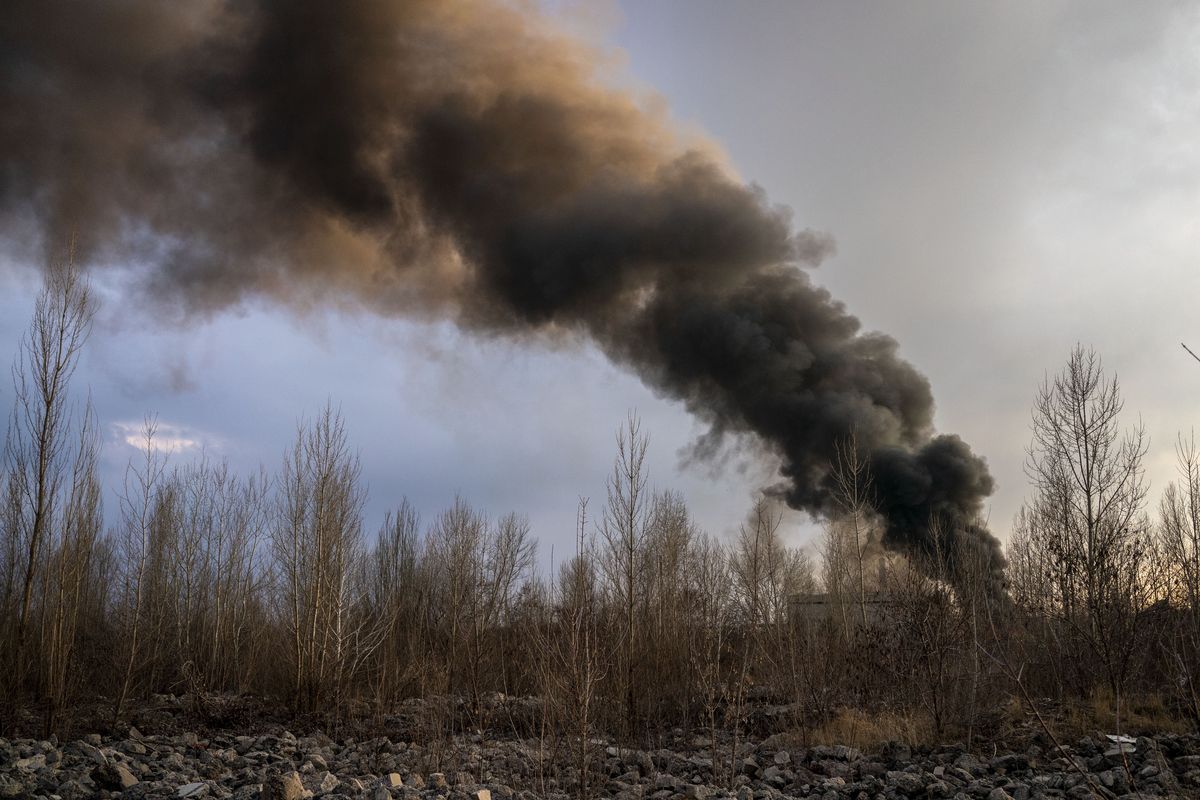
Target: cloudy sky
1002, 181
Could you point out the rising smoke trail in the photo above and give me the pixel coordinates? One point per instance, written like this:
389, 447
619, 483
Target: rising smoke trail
458, 158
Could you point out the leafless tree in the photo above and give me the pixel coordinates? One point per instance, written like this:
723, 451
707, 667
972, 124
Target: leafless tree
766, 573
624, 529
571, 646
853, 535
666, 596
478, 567
1087, 519
930, 626
216, 581
456, 544
39, 453
710, 625
399, 587
1179, 529
140, 503
316, 547
69, 566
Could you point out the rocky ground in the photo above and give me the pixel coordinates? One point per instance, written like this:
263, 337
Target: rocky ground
283, 766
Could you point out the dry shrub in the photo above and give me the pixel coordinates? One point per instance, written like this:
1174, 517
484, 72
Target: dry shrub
864, 730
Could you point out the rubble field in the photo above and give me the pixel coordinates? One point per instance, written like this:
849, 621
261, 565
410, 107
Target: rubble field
280, 765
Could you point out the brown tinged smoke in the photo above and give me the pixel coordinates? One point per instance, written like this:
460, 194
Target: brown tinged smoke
458, 159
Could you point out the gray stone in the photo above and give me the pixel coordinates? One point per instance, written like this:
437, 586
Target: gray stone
116, 777
73, 790
283, 787
192, 790
31, 764
906, 782
939, 789
1012, 762
132, 747
328, 783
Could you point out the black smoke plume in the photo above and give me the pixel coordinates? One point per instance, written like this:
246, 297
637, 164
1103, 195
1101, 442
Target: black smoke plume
457, 158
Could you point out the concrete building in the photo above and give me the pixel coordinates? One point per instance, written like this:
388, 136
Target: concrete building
819, 607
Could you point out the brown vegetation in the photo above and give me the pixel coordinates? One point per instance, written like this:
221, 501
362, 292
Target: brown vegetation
212, 583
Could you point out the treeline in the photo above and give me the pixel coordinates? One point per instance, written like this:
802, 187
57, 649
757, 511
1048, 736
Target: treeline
212, 583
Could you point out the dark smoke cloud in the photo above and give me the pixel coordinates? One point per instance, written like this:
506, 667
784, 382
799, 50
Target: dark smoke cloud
457, 159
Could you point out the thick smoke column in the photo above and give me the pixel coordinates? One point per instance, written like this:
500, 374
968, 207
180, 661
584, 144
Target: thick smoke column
456, 159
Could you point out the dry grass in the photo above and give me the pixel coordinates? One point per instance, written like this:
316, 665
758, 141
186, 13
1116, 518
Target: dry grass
1144, 714
863, 730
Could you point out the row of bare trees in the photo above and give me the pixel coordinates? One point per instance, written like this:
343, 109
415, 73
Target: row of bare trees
208, 583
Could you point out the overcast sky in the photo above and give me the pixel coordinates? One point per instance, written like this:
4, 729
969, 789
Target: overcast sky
1002, 181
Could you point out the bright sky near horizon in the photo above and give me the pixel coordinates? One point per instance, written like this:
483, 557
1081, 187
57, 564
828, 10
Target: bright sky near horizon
1002, 181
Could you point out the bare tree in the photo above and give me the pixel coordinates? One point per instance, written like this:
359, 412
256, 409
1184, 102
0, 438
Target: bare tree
507, 561
710, 628
930, 625
141, 503
854, 532
456, 544
1179, 529
39, 454
214, 578
666, 593
766, 573
68, 569
316, 545
570, 645
399, 587
624, 529
1087, 518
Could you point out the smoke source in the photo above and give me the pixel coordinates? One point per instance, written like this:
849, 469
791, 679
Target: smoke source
463, 159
